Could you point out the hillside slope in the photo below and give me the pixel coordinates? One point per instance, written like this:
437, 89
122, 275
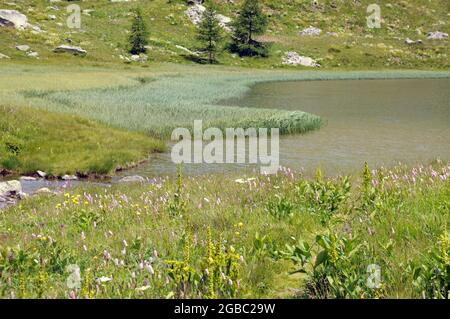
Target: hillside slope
345, 41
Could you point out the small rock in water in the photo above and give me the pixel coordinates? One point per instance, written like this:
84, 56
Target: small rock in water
195, 13
41, 174
27, 178
132, 179
69, 178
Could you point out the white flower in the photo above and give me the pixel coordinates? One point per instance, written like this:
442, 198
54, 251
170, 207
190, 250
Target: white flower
103, 279
143, 288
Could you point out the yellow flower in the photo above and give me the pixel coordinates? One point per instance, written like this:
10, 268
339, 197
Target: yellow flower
241, 224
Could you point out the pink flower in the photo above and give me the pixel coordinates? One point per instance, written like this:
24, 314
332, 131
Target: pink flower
72, 294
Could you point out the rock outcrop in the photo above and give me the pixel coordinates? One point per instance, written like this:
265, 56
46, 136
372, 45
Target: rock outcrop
293, 58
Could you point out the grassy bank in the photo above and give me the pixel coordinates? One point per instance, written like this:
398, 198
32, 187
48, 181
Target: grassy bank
58, 144
227, 237
160, 103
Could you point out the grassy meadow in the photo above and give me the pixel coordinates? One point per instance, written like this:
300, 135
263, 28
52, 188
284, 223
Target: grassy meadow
61, 144
280, 236
377, 233
349, 44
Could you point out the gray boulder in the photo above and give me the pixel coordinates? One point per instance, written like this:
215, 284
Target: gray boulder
411, 42
437, 35
195, 13
310, 31
10, 189
23, 47
13, 19
139, 58
224, 22
293, 58
33, 54
70, 49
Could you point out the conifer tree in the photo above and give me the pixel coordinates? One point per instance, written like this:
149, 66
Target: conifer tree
209, 32
251, 21
139, 33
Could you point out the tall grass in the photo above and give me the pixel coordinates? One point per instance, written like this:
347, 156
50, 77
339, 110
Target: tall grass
156, 239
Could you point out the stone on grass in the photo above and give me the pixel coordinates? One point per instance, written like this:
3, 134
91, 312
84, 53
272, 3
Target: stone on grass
23, 47
437, 35
13, 19
310, 31
33, 54
44, 190
293, 58
70, 49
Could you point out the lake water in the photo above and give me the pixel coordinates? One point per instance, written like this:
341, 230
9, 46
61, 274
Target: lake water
382, 122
